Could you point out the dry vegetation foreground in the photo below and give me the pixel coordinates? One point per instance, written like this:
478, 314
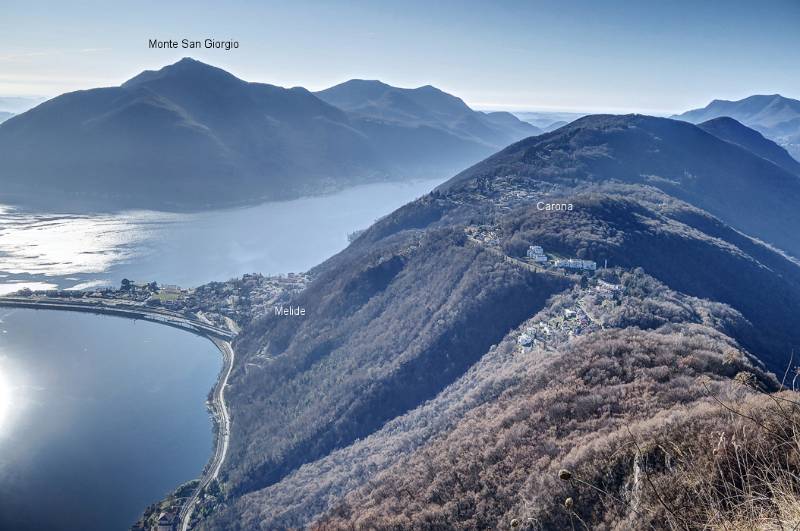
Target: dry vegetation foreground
666, 426
439, 382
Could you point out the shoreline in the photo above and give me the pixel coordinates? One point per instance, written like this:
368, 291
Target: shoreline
222, 425
202, 328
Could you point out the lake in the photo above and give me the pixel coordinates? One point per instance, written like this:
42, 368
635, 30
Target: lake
45, 250
101, 416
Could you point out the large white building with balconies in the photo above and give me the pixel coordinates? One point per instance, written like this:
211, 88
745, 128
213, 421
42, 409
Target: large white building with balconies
536, 253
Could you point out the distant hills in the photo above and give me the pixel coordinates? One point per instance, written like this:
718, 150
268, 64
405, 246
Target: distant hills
192, 136
426, 107
5, 116
18, 104
729, 129
404, 399
775, 116
548, 120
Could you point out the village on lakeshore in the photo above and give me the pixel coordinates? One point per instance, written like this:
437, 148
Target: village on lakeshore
247, 297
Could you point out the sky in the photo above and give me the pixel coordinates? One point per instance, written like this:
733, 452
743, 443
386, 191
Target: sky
581, 55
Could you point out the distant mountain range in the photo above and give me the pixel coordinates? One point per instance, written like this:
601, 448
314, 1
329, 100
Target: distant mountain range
18, 104
729, 129
775, 116
193, 136
5, 116
404, 399
548, 120
426, 107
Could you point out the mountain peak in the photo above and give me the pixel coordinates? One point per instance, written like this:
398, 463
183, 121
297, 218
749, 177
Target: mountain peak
187, 67
426, 106
364, 83
773, 115
735, 132
208, 138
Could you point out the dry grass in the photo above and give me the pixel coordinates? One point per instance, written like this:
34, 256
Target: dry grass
751, 480
733, 466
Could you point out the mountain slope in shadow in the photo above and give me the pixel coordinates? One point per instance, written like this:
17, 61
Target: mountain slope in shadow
776, 116
740, 187
191, 136
417, 303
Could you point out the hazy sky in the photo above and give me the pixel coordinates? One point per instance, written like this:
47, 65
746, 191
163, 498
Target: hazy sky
656, 56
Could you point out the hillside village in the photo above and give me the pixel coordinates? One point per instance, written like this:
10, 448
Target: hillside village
247, 298
535, 255
573, 319
504, 193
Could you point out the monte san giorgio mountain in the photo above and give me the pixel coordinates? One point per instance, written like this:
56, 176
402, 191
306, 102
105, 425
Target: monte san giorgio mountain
191, 136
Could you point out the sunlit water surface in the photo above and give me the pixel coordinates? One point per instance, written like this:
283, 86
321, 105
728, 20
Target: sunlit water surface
100, 416
80, 251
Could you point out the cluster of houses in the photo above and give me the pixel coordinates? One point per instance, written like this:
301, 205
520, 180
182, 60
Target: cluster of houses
536, 254
149, 293
569, 323
607, 289
505, 192
484, 235
248, 297
167, 521
576, 263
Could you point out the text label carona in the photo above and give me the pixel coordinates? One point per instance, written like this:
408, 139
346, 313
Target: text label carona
541, 205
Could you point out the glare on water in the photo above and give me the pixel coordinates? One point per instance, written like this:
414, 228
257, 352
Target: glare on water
68, 244
5, 400
83, 251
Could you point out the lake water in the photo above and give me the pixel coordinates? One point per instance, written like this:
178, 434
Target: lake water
100, 416
49, 250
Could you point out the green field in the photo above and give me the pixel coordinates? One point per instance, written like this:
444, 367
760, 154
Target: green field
164, 297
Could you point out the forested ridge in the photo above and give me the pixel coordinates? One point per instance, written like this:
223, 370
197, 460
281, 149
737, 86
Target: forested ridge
406, 397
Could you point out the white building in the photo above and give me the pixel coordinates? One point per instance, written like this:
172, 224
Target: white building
602, 285
575, 263
536, 253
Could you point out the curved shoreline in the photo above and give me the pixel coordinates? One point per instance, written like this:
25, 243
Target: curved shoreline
121, 309
221, 338
223, 424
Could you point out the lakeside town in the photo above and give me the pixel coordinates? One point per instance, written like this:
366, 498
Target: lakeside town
227, 304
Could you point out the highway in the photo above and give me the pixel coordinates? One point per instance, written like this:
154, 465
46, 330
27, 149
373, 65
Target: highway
223, 435
221, 337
